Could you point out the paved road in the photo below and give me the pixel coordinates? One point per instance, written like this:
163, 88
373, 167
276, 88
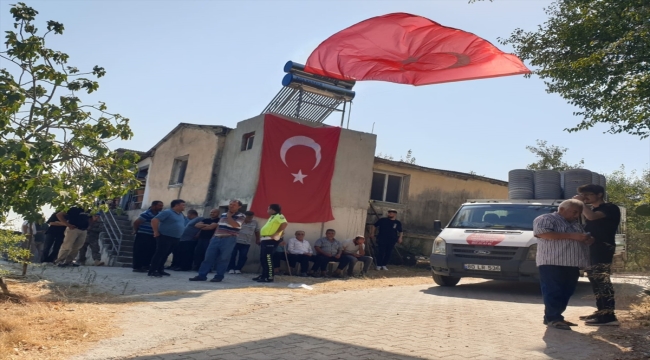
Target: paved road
231, 320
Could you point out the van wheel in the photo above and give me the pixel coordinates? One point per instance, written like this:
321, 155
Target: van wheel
445, 280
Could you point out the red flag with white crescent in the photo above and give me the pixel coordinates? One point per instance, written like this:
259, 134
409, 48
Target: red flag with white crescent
296, 170
409, 49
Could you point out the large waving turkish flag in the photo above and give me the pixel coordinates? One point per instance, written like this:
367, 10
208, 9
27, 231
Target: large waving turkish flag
296, 170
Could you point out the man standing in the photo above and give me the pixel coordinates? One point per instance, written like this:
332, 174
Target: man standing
562, 249
53, 239
222, 244
250, 230
92, 242
388, 232
183, 252
353, 252
144, 245
300, 251
206, 234
35, 235
602, 221
77, 222
327, 249
167, 228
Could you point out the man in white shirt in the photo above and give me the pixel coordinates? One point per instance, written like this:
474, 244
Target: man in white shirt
299, 250
354, 251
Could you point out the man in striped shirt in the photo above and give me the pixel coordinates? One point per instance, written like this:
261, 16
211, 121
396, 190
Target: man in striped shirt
144, 245
562, 249
222, 244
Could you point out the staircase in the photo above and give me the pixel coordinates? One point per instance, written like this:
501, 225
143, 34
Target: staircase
118, 237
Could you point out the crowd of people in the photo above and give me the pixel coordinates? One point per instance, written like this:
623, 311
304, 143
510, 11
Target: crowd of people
565, 246
221, 243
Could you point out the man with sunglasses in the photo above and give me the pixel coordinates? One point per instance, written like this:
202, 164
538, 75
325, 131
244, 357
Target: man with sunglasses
602, 220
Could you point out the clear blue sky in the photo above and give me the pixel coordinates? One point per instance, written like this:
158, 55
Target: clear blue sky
220, 62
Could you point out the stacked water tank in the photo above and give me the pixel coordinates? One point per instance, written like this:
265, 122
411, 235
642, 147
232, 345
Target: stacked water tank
550, 184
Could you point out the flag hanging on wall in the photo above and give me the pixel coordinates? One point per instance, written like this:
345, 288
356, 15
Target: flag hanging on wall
296, 170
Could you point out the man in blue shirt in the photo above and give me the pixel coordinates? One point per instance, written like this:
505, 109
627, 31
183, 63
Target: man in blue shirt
167, 228
144, 245
183, 253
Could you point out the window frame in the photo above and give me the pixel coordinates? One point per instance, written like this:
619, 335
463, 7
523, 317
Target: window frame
388, 174
246, 139
176, 166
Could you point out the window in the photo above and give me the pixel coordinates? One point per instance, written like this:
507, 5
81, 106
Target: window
386, 187
499, 216
178, 170
247, 141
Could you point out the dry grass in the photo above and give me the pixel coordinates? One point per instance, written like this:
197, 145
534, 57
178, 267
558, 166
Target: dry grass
52, 322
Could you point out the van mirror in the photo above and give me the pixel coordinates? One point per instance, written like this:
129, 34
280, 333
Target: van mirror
437, 225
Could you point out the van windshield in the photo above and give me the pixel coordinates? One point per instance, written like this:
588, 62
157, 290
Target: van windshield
499, 216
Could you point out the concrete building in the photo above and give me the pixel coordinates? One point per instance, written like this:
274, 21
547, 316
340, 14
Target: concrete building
207, 166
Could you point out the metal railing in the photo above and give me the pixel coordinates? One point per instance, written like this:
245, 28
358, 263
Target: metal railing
112, 231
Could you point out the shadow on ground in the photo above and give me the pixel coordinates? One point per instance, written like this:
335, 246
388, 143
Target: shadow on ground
529, 292
561, 343
292, 346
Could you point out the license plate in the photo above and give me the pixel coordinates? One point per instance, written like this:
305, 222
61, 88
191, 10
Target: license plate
482, 267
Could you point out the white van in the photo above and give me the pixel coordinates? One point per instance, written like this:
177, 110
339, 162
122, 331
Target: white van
492, 239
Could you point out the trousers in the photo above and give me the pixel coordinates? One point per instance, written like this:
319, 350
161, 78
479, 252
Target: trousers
218, 255
385, 252
601, 284
267, 248
558, 284
242, 251
164, 246
73, 241
144, 247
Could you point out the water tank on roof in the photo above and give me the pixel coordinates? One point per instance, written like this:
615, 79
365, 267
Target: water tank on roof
521, 184
595, 178
573, 179
548, 184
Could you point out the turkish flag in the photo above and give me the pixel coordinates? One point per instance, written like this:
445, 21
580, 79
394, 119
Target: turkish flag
296, 170
409, 49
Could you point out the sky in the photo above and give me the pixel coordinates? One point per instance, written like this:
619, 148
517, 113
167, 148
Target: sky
220, 62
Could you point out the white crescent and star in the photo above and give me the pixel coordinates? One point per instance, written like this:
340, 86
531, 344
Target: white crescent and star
302, 141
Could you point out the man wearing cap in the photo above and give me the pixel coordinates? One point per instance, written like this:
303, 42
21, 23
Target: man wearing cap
388, 232
353, 252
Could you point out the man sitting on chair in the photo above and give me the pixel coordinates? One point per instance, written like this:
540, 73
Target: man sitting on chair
299, 250
354, 251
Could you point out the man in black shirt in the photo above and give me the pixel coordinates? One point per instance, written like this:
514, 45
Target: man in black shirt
602, 220
77, 222
53, 239
390, 233
204, 237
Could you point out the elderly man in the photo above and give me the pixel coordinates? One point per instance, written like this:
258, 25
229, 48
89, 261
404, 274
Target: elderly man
353, 252
562, 249
327, 249
250, 230
222, 244
299, 251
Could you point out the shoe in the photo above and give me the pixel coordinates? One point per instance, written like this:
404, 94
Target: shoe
177, 268
304, 275
231, 271
559, 325
76, 264
603, 322
378, 268
154, 274
165, 274
257, 278
589, 317
566, 322
264, 280
337, 274
216, 279
198, 278
99, 263
384, 268
316, 275
140, 270
62, 265
362, 275
237, 272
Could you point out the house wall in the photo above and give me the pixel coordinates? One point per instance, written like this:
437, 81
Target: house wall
430, 194
201, 147
350, 182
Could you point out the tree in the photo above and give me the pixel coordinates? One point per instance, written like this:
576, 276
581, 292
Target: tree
53, 148
550, 157
10, 247
409, 159
632, 191
596, 55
